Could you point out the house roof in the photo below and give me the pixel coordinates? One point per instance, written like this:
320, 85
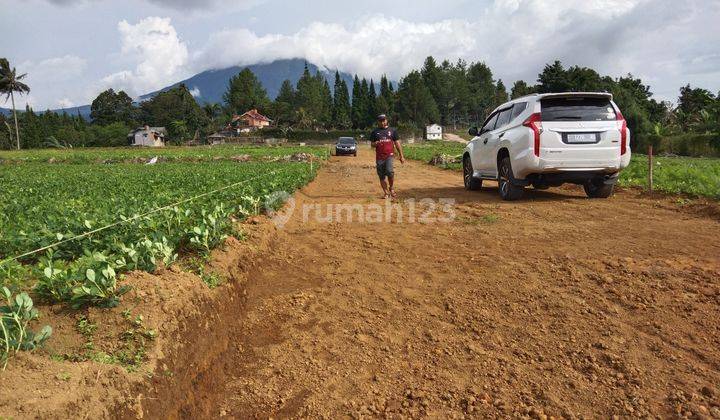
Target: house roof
254, 114
161, 131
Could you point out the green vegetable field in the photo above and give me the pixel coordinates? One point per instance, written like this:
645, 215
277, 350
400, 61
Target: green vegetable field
128, 154
42, 204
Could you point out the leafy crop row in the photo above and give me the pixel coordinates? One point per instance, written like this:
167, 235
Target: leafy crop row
41, 204
16, 313
169, 154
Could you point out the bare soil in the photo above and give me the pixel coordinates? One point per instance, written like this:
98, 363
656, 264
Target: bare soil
553, 306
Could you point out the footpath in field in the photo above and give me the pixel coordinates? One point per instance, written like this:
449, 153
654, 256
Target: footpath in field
554, 305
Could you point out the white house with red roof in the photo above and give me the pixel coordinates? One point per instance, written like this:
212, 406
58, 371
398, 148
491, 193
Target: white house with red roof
251, 120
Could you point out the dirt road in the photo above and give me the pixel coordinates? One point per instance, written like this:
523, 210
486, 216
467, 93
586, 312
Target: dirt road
555, 305
454, 137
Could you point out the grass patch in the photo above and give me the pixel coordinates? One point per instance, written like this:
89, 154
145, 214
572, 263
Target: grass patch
425, 151
198, 266
131, 348
487, 219
697, 177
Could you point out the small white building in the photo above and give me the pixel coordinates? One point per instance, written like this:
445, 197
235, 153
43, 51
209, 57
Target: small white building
433, 132
147, 136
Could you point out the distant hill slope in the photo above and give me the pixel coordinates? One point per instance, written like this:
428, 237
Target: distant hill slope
212, 84
84, 111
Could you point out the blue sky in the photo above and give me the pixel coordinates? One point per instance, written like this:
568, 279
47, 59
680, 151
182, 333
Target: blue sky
73, 49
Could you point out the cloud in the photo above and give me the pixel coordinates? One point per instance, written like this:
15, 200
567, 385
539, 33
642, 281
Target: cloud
515, 37
372, 46
667, 44
160, 55
205, 4
176, 4
56, 69
49, 79
195, 92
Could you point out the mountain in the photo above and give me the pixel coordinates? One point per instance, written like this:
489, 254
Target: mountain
83, 110
210, 85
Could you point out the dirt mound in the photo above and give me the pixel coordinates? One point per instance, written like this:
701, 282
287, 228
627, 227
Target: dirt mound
129, 361
440, 160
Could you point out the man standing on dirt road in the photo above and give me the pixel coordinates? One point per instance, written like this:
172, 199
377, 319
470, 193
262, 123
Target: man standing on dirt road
385, 139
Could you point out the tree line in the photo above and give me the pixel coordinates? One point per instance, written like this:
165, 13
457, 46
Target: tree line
456, 95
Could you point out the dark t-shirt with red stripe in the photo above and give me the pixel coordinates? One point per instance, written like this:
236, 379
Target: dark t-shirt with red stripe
383, 139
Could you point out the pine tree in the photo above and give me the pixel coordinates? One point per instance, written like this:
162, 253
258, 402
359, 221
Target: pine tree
176, 104
553, 78
284, 104
311, 99
357, 115
459, 99
434, 79
341, 104
520, 89
372, 104
482, 91
501, 95
245, 92
416, 104
327, 103
365, 118
110, 107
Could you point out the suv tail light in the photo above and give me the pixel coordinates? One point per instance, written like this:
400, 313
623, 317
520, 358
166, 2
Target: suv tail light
534, 122
623, 133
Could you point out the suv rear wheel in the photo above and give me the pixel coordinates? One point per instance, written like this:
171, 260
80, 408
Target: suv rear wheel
471, 183
597, 188
508, 190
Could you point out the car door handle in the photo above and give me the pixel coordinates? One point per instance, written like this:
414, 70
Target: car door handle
501, 135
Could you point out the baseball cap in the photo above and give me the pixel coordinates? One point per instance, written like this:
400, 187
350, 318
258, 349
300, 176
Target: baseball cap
382, 117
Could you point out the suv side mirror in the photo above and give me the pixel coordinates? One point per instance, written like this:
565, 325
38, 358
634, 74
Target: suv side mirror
473, 131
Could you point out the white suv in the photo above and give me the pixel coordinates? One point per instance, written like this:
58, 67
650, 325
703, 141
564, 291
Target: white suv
549, 139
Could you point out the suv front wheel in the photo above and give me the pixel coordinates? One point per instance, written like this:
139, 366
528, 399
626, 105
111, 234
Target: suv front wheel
471, 183
508, 190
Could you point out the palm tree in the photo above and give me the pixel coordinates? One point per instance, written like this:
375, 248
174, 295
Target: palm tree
10, 83
212, 110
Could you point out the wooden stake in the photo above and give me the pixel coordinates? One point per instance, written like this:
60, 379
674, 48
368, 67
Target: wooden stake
650, 168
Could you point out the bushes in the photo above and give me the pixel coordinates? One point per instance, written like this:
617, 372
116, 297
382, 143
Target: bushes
114, 134
694, 145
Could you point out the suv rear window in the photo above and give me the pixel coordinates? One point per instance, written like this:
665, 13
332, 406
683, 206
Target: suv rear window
577, 109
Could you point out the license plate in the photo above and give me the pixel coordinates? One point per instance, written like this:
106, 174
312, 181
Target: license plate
582, 138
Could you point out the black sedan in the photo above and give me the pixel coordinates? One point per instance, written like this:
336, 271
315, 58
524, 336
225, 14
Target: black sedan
346, 146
